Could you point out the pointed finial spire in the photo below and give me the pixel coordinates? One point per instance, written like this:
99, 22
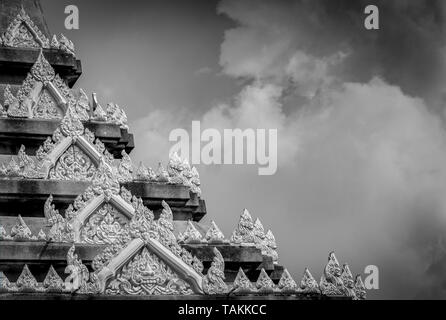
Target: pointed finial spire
264, 283
214, 234
287, 283
242, 284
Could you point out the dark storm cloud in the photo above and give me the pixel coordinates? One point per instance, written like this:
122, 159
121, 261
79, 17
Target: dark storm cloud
408, 50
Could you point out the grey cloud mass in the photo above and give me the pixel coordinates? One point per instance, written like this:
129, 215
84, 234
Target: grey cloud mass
360, 118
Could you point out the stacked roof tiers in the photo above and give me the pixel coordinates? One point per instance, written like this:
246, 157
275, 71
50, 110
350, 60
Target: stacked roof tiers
78, 218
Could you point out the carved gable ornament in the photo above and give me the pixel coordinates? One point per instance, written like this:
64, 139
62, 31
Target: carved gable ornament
43, 95
22, 32
144, 256
72, 154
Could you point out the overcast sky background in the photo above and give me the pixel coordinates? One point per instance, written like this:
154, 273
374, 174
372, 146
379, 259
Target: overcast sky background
360, 116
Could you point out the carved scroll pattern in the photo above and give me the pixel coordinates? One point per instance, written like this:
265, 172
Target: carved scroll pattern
73, 165
146, 274
104, 227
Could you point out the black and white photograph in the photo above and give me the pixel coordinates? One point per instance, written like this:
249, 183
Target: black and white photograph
218, 156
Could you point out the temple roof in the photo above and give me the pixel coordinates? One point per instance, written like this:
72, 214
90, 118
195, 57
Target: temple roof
9, 10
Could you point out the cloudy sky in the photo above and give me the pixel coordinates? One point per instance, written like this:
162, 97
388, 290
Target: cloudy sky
360, 118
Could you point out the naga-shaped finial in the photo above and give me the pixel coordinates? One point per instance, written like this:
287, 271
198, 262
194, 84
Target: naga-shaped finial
60, 229
213, 282
78, 273
331, 283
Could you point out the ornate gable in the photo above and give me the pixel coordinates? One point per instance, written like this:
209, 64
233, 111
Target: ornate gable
147, 274
71, 154
23, 33
43, 95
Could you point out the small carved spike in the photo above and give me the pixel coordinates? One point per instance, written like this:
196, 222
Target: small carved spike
125, 168
329, 289
55, 43
42, 69
15, 108
167, 212
360, 290
53, 282
264, 283
214, 234
83, 106
99, 114
26, 281
195, 182
21, 232
5, 284
270, 247
287, 283
348, 281
259, 232
3, 112
271, 240
41, 236
142, 173
242, 284
162, 175
13, 169
308, 285
191, 234
66, 45
71, 125
244, 233
9, 98
3, 234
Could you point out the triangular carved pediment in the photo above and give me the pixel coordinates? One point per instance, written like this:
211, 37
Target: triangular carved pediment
23, 37
43, 95
46, 106
73, 165
23, 33
147, 274
99, 215
73, 153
